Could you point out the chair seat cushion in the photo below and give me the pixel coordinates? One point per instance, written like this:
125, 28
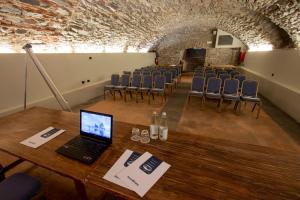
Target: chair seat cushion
249, 98
196, 93
109, 86
144, 89
157, 90
213, 95
231, 96
119, 87
132, 88
19, 186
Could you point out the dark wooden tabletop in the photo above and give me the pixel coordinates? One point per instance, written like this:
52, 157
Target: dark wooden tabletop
201, 167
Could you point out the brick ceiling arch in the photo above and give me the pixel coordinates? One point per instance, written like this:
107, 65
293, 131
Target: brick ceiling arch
140, 24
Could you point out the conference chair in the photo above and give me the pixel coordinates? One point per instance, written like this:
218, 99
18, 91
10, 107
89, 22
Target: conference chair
223, 77
169, 80
18, 186
208, 76
146, 73
114, 81
230, 91
155, 73
135, 85
197, 88
158, 87
213, 90
146, 86
234, 73
174, 76
249, 94
241, 78
124, 84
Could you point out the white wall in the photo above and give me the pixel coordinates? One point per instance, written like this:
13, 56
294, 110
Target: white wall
67, 72
283, 88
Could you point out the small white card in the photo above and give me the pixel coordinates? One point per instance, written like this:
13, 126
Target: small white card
42, 137
142, 174
124, 161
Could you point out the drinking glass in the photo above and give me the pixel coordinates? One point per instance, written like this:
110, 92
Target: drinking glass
145, 137
135, 134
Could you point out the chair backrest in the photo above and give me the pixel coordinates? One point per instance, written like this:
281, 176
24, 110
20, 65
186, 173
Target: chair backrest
174, 73
234, 73
223, 77
214, 85
114, 79
125, 80
241, 78
159, 82
198, 84
146, 73
155, 73
136, 81
249, 88
136, 73
231, 86
169, 77
221, 72
209, 75
147, 81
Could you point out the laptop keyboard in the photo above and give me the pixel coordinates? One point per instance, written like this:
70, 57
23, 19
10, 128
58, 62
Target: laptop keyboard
82, 149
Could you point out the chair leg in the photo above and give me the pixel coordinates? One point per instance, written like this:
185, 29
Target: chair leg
104, 94
254, 107
149, 98
153, 96
220, 104
258, 112
125, 94
136, 96
165, 96
202, 101
130, 92
189, 99
114, 95
120, 92
142, 95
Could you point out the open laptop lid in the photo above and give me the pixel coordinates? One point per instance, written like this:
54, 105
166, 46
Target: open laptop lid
96, 125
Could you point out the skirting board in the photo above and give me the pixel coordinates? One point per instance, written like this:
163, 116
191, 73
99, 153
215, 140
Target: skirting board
74, 97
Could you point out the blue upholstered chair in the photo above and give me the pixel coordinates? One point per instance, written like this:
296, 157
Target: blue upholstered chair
114, 81
223, 77
213, 90
146, 73
135, 85
197, 88
169, 80
241, 78
158, 87
155, 73
146, 86
234, 73
18, 186
125, 79
249, 94
230, 91
208, 76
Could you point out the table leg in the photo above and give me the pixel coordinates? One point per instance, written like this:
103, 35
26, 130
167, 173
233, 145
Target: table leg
80, 188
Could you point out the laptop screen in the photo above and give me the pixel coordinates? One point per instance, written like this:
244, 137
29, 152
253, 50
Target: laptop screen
96, 125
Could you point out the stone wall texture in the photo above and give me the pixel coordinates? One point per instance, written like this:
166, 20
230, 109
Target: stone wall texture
160, 25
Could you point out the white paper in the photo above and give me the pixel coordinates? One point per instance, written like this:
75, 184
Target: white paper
120, 164
141, 175
37, 140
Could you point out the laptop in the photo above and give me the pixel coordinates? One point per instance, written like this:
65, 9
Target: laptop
95, 136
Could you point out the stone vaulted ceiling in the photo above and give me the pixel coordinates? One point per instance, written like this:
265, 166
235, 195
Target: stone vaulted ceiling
144, 24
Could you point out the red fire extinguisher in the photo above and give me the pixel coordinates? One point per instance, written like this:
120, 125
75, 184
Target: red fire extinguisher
242, 56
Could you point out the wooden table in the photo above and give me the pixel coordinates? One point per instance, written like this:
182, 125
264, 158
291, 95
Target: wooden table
202, 167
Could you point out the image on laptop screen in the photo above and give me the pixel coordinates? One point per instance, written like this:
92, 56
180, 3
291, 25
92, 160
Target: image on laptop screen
96, 124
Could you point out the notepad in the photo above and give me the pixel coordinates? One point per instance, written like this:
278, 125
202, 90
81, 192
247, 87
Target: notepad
42, 137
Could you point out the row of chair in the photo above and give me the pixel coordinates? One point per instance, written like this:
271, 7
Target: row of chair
230, 91
139, 85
